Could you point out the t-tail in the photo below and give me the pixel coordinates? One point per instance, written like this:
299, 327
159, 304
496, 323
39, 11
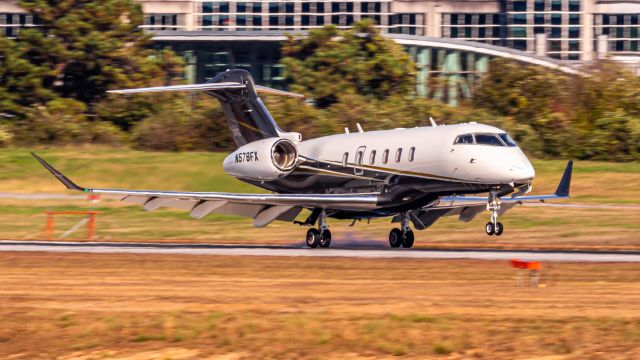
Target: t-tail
246, 114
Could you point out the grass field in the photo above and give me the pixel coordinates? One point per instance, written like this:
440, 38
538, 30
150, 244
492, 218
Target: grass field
89, 306
593, 183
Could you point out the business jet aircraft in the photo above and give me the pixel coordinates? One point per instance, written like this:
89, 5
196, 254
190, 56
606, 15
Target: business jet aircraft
413, 175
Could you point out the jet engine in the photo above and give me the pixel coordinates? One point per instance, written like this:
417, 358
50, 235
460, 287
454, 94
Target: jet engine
267, 159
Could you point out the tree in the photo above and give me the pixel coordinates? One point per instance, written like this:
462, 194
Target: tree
84, 47
330, 63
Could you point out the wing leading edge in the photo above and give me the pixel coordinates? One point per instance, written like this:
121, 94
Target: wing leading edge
264, 208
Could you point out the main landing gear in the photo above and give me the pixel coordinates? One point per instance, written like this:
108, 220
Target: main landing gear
320, 236
403, 236
494, 227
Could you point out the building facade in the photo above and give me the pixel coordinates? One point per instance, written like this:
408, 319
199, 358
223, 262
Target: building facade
451, 41
572, 30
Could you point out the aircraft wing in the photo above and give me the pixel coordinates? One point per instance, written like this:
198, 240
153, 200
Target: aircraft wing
264, 208
468, 207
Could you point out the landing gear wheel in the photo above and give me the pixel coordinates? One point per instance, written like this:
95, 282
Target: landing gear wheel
489, 228
325, 239
499, 229
395, 238
407, 239
313, 238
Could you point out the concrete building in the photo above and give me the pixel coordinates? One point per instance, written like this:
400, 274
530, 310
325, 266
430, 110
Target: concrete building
450, 39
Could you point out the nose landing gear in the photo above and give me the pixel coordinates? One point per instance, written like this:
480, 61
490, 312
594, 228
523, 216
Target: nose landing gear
403, 236
320, 236
494, 227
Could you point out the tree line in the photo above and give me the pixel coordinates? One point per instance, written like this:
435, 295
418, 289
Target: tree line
53, 82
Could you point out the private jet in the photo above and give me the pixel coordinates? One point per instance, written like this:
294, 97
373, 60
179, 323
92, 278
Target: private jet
412, 175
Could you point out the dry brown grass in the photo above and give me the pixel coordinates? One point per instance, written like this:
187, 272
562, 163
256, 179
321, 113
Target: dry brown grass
85, 306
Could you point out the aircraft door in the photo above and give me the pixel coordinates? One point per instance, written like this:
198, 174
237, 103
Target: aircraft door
357, 168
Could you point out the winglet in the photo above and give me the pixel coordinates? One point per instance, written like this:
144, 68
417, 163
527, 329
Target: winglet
565, 182
63, 179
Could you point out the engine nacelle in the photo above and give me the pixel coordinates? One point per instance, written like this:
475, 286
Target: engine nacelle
267, 159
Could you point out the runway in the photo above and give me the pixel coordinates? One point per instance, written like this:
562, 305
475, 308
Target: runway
298, 251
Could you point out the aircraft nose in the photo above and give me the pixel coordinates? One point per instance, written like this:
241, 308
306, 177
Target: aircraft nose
522, 171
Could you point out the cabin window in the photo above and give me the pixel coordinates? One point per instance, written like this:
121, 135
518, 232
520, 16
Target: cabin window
359, 156
345, 159
372, 157
507, 139
385, 156
488, 139
398, 154
412, 153
464, 139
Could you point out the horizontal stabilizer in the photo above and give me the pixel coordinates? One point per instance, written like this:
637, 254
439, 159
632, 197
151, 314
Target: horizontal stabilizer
205, 87
191, 87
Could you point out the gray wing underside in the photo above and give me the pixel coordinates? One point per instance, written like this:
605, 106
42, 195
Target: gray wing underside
468, 207
263, 208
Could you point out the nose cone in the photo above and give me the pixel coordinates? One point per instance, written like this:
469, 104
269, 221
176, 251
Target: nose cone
520, 170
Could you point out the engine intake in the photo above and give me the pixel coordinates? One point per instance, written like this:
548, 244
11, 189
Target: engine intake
267, 159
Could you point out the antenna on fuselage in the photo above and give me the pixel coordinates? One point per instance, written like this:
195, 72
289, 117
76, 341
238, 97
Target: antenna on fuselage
346, 130
359, 127
433, 122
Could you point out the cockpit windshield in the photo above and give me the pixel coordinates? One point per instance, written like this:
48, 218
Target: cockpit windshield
507, 139
502, 139
488, 139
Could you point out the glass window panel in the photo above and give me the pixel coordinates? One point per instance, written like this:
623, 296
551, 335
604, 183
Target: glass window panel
372, 157
556, 5
385, 156
520, 45
574, 5
464, 139
274, 7
574, 45
488, 139
538, 19
556, 19
520, 19
412, 154
257, 7
207, 7
518, 32
538, 5
507, 139
519, 6
574, 19
574, 32
289, 7
398, 154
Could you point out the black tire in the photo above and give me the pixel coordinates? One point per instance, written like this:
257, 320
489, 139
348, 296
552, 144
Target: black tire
395, 238
489, 228
313, 238
407, 239
325, 239
499, 229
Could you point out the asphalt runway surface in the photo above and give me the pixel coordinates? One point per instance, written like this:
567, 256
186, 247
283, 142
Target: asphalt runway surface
346, 250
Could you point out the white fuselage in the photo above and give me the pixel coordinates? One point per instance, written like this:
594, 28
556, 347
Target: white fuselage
428, 152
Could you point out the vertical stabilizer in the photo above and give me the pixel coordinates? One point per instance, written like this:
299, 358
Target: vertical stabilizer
248, 118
